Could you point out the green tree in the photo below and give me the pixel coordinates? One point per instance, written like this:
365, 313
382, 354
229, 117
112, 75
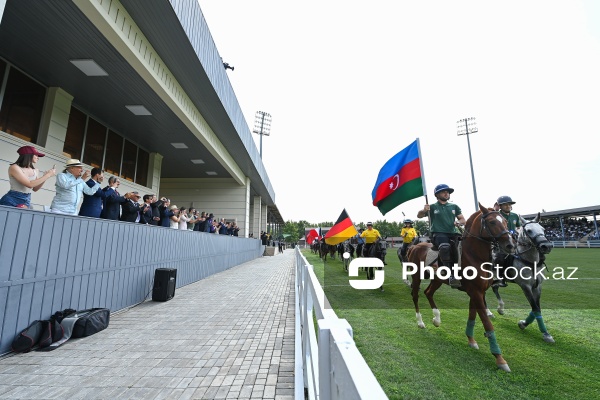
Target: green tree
291, 232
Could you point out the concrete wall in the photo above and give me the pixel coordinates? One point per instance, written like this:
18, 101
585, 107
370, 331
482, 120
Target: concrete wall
225, 198
49, 262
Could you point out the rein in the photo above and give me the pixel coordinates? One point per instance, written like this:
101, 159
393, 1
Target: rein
493, 239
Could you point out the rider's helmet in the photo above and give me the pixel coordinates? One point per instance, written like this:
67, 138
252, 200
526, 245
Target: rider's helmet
441, 187
408, 221
504, 200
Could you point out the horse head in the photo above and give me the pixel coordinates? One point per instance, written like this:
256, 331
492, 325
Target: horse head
495, 229
535, 233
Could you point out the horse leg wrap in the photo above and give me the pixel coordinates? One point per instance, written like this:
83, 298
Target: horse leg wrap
530, 318
494, 348
470, 331
540, 321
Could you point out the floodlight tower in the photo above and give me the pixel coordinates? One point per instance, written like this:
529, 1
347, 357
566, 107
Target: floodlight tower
466, 126
262, 126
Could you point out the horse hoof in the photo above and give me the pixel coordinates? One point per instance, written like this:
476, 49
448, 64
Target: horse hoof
436, 323
504, 367
522, 324
474, 345
421, 325
548, 338
501, 311
489, 314
407, 283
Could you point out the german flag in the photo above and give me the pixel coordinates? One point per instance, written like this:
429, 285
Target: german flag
342, 230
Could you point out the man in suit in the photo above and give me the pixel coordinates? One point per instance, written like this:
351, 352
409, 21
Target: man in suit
146, 210
130, 209
113, 200
92, 205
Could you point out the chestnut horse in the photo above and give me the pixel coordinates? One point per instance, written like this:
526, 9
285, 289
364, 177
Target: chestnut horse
484, 228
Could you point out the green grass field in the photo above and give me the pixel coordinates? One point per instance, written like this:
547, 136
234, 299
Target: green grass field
413, 363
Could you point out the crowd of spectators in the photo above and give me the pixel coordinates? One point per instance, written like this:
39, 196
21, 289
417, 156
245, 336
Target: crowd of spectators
574, 229
75, 186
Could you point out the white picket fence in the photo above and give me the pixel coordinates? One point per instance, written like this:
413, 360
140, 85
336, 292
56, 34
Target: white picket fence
331, 367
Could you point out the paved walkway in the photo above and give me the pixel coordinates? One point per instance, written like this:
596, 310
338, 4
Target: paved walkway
229, 336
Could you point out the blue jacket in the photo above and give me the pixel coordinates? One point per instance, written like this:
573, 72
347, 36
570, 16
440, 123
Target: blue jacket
69, 191
92, 205
112, 204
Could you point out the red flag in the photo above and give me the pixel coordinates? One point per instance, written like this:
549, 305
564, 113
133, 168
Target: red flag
312, 235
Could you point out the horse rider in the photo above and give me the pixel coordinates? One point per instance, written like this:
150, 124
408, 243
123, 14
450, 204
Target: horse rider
408, 235
360, 243
513, 221
444, 217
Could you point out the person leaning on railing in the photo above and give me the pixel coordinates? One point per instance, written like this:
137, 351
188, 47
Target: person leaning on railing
24, 178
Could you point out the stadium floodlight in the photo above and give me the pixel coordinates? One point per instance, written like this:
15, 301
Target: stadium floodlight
262, 126
466, 126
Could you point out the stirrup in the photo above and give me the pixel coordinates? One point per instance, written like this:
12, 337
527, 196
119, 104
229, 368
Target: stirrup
499, 283
454, 283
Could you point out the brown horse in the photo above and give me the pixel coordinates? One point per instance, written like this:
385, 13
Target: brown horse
482, 229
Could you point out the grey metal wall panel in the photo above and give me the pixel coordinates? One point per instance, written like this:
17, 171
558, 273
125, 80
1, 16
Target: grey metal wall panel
49, 262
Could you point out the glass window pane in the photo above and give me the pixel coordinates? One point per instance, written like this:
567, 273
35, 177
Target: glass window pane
94, 143
129, 156
114, 150
141, 175
22, 106
75, 130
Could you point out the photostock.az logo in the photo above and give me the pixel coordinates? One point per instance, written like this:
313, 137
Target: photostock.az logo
366, 262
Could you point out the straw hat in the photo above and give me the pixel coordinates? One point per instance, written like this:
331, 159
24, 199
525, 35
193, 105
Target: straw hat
73, 162
173, 207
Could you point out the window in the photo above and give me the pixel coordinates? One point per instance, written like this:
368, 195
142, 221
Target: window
75, 132
22, 106
141, 174
129, 158
114, 150
95, 138
104, 148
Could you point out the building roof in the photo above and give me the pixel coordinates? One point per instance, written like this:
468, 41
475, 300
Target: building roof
571, 212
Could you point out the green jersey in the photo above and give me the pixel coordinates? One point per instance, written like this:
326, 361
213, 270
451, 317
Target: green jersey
443, 217
512, 220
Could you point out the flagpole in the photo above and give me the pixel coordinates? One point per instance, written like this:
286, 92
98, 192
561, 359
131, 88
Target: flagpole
423, 181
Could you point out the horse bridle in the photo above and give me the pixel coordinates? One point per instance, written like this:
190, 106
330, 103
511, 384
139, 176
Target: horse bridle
532, 240
485, 226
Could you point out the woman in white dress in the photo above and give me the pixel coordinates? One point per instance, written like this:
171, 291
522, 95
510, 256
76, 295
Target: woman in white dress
175, 217
183, 219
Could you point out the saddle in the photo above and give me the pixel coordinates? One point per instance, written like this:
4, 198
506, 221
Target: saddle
432, 255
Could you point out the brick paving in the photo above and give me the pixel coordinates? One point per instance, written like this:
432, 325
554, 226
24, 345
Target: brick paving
229, 336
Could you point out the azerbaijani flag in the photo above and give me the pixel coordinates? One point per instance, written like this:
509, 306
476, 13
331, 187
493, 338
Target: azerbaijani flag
400, 179
342, 230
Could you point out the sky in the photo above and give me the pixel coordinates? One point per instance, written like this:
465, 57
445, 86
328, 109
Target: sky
349, 84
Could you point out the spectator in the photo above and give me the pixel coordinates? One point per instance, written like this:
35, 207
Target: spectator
200, 224
192, 218
235, 229
92, 205
155, 205
130, 209
209, 227
70, 186
183, 219
174, 218
112, 200
23, 178
166, 213
222, 227
146, 215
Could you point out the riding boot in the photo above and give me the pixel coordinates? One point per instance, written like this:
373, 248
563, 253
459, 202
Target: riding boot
445, 257
500, 260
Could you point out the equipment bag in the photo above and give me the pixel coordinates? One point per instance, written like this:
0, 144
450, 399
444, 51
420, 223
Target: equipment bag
28, 337
90, 321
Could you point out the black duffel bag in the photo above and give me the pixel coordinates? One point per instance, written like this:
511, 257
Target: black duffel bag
90, 321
